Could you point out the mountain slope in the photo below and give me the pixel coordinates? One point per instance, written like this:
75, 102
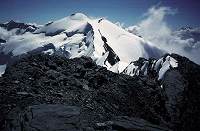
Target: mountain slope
40, 89
78, 35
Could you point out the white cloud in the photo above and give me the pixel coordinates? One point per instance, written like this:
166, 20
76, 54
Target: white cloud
4, 34
155, 29
120, 24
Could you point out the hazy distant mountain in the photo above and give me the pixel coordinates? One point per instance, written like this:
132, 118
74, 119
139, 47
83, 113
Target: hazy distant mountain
193, 34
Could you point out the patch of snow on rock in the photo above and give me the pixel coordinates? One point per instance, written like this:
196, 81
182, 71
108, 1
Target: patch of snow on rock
169, 63
2, 69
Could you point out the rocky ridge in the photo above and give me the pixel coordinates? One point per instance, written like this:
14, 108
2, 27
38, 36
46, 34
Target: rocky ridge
39, 92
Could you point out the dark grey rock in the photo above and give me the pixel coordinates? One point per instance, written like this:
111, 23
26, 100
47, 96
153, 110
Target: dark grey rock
102, 96
2, 41
132, 124
173, 84
46, 118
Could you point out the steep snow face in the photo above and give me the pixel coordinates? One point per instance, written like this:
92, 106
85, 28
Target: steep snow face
170, 62
102, 60
127, 46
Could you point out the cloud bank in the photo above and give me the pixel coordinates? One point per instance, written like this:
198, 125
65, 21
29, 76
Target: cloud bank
155, 29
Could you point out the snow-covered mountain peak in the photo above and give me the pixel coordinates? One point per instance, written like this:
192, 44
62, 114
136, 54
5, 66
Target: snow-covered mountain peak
78, 16
186, 28
18, 28
79, 35
69, 23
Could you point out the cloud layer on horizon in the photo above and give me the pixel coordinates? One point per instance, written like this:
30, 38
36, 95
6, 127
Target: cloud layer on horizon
155, 29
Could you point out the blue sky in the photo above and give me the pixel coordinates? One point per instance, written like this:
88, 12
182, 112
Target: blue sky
129, 12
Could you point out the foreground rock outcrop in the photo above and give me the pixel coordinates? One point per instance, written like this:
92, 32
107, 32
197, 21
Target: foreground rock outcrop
42, 92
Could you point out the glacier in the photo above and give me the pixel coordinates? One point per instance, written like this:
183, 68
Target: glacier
79, 35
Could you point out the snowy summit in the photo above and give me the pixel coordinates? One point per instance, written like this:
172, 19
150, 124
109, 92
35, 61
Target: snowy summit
79, 35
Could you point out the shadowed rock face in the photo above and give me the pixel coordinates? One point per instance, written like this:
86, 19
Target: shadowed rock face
180, 88
5, 58
187, 101
2, 41
48, 117
40, 87
112, 58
